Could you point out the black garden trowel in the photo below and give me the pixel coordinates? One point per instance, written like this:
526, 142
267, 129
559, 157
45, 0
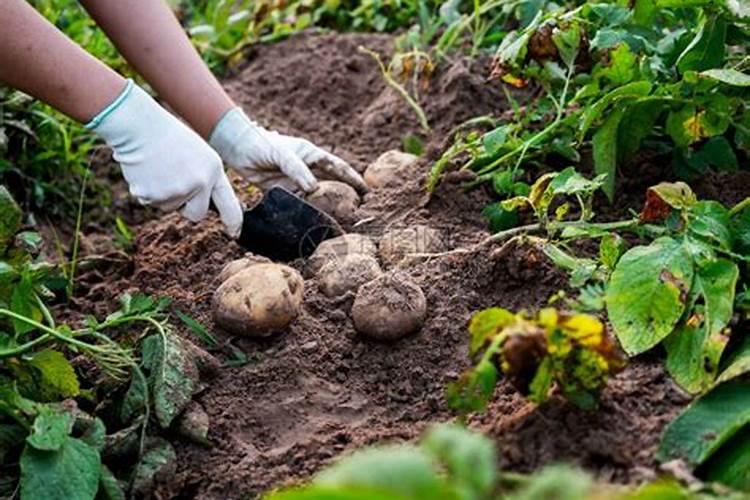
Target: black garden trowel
284, 227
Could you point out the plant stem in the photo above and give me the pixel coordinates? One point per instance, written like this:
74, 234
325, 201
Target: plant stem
398, 88
77, 237
739, 207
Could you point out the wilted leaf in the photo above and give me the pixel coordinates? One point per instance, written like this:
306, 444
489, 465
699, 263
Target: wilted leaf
470, 458
707, 424
611, 248
568, 41
70, 473
486, 324
50, 430
648, 293
135, 399
695, 347
173, 375
158, 460
57, 379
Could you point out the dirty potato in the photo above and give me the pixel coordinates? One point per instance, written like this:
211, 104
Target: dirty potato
391, 169
389, 307
346, 275
238, 265
338, 247
337, 199
259, 300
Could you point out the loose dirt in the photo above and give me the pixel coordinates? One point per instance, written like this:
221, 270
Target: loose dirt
318, 390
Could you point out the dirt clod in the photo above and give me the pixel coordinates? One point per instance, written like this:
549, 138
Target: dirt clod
389, 307
398, 243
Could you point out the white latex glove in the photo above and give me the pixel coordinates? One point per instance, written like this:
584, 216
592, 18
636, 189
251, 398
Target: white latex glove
165, 163
268, 158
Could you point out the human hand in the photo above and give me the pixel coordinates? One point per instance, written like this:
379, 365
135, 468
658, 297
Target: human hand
268, 158
164, 162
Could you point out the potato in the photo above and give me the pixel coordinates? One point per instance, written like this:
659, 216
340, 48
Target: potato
238, 265
338, 247
390, 169
259, 300
347, 274
398, 243
337, 199
389, 307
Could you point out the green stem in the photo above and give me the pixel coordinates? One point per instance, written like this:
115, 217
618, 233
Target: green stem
739, 207
399, 89
21, 349
77, 237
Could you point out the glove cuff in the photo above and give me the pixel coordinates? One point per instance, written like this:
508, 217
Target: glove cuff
103, 114
228, 133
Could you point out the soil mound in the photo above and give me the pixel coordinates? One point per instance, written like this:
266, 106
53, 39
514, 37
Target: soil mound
320, 390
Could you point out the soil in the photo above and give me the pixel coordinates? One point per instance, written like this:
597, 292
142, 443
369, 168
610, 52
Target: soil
318, 389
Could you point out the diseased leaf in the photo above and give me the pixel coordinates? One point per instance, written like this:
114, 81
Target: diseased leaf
135, 399
51, 429
622, 67
648, 293
70, 473
696, 345
611, 248
173, 375
469, 457
706, 424
486, 324
57, 379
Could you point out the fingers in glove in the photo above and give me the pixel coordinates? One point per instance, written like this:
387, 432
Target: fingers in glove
343, 172
295, 169
228, 205
196, 207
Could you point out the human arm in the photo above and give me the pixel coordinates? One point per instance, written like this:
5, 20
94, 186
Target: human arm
148, 34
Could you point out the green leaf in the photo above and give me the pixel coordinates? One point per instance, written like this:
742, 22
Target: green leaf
704, 426
109, 487
731, 464
173, 375
707, 50
648, 293
23, 303
644, 12
399, 470
629, 91
683, 125
622, 67
558, 482
604, 145
51, 429
473, 389
10, 220
199, 330
738, 362
695, 347
499, 219
469, 457
57, 378
709, 221
313, 492
637, 123
569, 181
70, 473
135, 399
495, 139
611, 248
728, 76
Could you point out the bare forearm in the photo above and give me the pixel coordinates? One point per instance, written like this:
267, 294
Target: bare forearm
148, 35
38, 59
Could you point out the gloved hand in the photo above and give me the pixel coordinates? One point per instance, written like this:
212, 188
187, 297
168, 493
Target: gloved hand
268, 158
164, 162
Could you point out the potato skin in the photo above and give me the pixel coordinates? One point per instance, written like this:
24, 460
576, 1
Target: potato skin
338, 247
390, 169
389, 307
396, 244
346, 275
337, 199
259, 300
235, 266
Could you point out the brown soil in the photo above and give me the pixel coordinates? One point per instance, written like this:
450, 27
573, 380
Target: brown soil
318, 390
